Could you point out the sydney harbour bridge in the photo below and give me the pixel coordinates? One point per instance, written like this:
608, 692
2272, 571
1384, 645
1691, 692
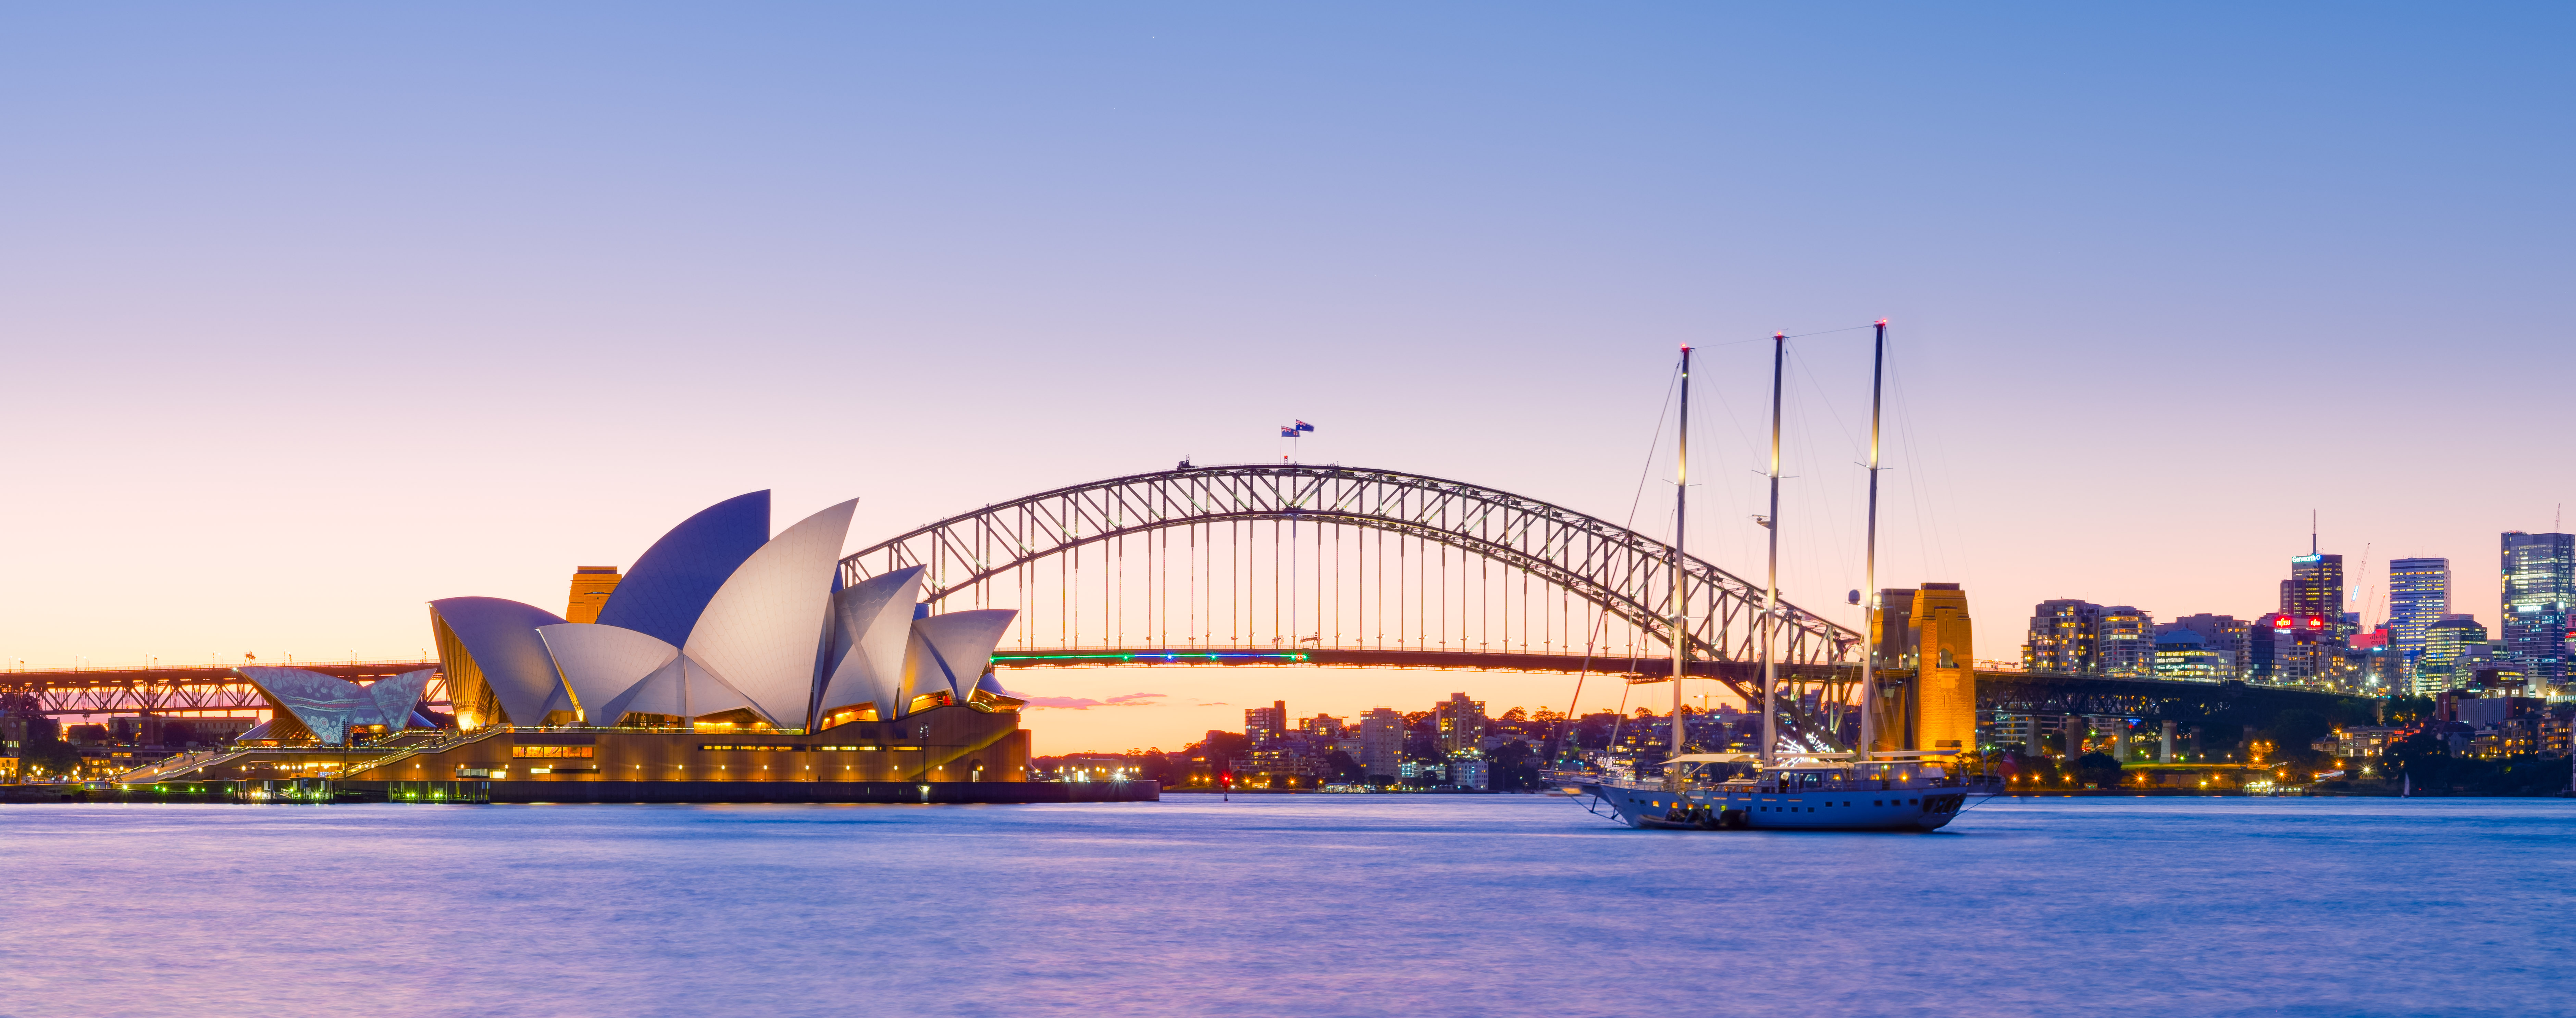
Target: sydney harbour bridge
1305, 565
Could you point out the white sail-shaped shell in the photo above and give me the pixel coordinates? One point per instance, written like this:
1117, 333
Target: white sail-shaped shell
763, 630
601, 661
683, 687
397, 697
501, 637
872, 625
964, 642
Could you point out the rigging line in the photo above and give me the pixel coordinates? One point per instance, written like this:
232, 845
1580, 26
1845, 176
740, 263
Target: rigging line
1600, 627
1820, 495
1927, 528
1826, 332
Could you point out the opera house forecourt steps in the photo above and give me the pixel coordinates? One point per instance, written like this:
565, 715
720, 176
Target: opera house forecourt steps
727, 665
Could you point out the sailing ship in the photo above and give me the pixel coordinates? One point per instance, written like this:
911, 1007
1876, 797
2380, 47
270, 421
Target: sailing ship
1870, 790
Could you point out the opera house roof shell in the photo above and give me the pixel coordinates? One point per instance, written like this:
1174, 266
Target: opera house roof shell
720, 618
326, 708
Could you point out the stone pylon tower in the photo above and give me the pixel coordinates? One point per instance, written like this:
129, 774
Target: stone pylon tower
1945, 679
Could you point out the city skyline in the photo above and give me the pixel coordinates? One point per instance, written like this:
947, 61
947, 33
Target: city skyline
266, 378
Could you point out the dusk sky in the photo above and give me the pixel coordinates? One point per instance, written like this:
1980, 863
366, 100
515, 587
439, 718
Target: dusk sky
315, 313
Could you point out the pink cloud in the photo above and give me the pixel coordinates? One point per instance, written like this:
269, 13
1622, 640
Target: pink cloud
1084, 703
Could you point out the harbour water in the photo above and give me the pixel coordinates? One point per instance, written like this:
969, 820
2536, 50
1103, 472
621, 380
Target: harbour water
1286, 905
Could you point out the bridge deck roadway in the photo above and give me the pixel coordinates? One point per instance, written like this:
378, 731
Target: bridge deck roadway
180, 691
1656, 669
2009, 690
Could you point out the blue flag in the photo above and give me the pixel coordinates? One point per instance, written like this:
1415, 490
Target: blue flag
1303, 426
1287, 432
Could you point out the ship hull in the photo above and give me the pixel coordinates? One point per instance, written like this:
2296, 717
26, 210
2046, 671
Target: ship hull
1901, 809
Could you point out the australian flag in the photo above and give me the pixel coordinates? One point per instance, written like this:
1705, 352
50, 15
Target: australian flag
1287, 432
1303, 426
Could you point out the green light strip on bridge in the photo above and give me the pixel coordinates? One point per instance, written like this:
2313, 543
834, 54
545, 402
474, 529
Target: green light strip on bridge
1204, 656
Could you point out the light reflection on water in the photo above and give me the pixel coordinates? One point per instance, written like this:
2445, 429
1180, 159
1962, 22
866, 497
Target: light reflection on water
1299, 905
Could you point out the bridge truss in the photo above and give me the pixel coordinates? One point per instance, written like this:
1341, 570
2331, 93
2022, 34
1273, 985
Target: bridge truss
1287, 558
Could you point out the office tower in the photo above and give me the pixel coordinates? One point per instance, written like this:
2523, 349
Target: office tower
2315, 586
591, 586
2225, 635
2539, 583
1945, 680
2126, 642
2065, 636
2445, 643
2289, 649
1461, 722
2419, 594
2315, 591
2182, 653
1381, 742
1262, 724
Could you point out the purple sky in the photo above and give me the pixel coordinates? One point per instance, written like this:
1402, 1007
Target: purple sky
314, 313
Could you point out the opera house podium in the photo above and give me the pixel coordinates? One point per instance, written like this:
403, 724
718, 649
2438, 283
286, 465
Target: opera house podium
727, 665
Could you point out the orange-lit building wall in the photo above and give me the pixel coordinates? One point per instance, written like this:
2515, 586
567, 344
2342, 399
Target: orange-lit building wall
591, 586
1945, 685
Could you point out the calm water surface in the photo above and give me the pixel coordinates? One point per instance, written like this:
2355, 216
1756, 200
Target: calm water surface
1304, 905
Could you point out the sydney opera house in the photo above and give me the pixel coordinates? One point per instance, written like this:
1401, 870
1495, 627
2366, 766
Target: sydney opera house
725, 664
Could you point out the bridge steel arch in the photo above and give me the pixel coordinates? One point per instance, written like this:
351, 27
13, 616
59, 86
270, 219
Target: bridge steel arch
1617, 570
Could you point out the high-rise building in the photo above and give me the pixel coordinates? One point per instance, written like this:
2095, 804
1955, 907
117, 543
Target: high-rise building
591, 586
1945, 678
2315, 591
1461, 722
2225, 635
1262, 724
2539, 585
1382, 742
1323, 726
2065, 636
2182, 653
2289, 649
2419, 594
2127, 642
2446, 643
2315, 586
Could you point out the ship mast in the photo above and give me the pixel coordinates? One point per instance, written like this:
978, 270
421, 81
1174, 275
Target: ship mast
1771, 588
1681, 574
1869, 564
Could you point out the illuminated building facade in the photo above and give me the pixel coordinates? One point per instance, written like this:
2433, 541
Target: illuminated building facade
591, 586
1266, 724
2446, 644
2315, 591
2065, 636
2419, 594
2225, 635
1382, 742
1461, 722
2125, 642
2539, 585
2184, 654
2292, 650
1945, 681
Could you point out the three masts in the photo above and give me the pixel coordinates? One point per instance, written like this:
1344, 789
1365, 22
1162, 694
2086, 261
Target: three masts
1872, 789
